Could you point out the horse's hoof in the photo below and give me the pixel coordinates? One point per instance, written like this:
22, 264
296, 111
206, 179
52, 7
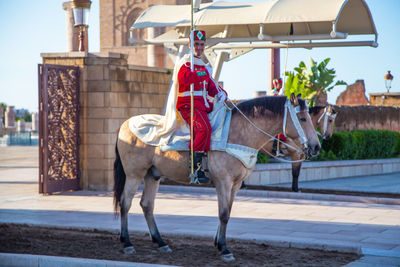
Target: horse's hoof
227, 257
129, 250
165, 249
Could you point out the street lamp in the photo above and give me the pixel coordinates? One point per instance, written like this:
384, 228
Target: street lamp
81, 10
388, 80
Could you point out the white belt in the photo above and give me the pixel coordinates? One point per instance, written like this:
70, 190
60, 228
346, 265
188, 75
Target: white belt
202, 93
195, 93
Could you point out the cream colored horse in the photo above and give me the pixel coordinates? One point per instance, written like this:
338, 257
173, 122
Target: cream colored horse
322, 118
137, 162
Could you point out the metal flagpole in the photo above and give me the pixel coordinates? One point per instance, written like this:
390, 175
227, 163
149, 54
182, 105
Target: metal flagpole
192, 175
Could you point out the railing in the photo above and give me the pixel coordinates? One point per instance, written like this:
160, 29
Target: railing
19, 139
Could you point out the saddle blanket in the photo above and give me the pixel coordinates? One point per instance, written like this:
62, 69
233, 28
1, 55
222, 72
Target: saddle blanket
220, 119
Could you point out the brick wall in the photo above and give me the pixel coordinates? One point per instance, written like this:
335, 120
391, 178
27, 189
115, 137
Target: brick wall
367, 117
385, 99
111, 92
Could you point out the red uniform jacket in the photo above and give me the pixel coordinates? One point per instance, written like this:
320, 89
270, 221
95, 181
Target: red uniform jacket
200, 78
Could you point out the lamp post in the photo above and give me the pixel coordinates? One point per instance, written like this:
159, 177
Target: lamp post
81, 10
388, 81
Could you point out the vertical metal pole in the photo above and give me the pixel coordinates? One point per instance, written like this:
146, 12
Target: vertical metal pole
191, 90
275, 65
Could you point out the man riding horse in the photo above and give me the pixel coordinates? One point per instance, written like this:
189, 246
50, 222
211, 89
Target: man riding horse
204, 87
278, 91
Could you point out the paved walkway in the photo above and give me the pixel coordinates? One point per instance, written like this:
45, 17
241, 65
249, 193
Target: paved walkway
381, 183
289, 219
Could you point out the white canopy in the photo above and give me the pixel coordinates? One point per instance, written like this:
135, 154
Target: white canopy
265, 21
253, 25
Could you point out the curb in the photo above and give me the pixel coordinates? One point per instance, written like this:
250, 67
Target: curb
9, 259
285, 243
278, 194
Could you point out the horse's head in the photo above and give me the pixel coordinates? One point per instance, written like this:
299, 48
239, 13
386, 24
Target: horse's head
326, 120
298, 125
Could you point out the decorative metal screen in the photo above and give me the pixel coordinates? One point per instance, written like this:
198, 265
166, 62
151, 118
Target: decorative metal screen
58, 128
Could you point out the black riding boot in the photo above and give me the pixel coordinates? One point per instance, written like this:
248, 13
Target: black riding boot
198, 158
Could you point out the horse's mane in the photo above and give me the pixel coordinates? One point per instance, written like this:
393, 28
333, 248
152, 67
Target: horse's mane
258, 106
315, 110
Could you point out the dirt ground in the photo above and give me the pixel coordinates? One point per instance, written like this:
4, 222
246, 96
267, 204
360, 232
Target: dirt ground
187, 251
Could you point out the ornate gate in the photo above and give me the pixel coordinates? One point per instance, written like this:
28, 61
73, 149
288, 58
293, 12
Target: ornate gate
58, 128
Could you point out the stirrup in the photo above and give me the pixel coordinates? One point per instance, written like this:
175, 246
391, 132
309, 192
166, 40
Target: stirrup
193, 176
198, 177
279, 154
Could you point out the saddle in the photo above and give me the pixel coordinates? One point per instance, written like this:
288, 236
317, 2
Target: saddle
220, 119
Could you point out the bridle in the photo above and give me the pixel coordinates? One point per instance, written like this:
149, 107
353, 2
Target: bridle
293, 111
327, 114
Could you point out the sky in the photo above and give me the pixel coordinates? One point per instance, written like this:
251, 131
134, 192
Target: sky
33, 27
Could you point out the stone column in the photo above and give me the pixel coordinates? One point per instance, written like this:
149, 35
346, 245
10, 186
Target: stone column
20, 126
151, 49
10, 117
35, 121
72, 33
86, 39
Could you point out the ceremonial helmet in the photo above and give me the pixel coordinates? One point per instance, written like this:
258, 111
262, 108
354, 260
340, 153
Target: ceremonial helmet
199, 35
277, 81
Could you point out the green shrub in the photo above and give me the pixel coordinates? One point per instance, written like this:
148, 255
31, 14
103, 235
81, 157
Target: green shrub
357, 144
361, 144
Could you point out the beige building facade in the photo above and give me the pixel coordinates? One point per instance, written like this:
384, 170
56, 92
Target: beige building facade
117, 17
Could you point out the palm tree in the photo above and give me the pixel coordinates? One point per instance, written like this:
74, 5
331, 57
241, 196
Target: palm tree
313, 81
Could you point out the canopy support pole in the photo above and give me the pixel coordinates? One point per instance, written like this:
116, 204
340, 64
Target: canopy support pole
221, 58
275, 67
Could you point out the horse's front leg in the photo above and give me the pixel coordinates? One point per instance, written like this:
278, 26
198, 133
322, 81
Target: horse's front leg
224, 193
130, 188
147, 203
295, 173
296, 166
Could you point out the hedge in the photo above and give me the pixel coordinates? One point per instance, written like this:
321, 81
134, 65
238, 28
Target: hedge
361, 144
357, 144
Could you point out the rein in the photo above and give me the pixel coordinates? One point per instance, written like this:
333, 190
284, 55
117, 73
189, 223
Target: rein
269, 135
281, 159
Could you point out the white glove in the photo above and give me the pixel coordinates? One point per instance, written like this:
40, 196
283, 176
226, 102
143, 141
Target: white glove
221, 96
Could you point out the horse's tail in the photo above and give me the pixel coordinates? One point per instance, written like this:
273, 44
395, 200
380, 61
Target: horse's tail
119, 180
